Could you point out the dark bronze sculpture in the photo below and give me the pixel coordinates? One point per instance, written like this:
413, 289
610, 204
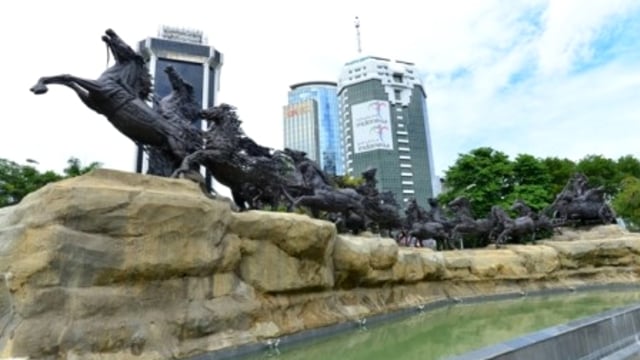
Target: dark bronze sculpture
261, 177
543, 225
518, 229
325, 196
466, 226
420, 225
578, 204
381, 208
120, 94
250, 171
181, 110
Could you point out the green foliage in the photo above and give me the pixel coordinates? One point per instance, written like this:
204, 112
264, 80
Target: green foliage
532, 182
601, 172
484, 176
347, 181
536, 196
627, 201
559, 171
487, 177
75, 168
628, 166
16, 181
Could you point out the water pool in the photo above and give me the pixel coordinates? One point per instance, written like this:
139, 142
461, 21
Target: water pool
455, 329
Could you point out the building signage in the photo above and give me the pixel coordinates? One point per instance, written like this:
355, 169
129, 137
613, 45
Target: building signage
371, 126
299, 109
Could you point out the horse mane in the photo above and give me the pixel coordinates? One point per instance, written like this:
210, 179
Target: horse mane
181, 100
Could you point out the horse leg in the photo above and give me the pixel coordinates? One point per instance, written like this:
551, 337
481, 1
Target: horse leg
41, 86
455, 235
196, 177
84, 96
287, 196
501, 238
195, 158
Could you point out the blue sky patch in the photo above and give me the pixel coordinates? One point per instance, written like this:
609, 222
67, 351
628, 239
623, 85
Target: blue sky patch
617, 40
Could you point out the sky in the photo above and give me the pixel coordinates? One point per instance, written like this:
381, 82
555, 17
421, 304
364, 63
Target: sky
546, 78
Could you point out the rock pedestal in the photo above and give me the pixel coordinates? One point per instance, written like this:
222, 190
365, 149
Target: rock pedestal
113, 265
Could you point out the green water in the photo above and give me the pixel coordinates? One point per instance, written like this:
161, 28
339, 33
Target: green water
457, 329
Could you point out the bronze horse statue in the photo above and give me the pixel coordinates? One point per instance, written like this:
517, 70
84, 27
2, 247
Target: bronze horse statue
249, 170
120, 94
512, 229
466, 226
420, 225
543, 225
578, 204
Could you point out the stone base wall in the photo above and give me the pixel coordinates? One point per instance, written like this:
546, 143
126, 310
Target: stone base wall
113, 265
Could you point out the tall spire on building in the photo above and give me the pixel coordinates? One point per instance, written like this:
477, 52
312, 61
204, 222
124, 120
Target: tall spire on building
357, 23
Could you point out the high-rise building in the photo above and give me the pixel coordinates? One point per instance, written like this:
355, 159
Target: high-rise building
198, 63
385, 125
311, 124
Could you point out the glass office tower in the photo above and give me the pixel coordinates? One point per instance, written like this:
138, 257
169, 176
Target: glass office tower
311, 124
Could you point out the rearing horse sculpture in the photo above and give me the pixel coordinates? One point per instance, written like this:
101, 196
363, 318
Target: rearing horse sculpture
120, 94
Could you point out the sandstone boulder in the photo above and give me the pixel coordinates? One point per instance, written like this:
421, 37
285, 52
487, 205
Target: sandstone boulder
112, 265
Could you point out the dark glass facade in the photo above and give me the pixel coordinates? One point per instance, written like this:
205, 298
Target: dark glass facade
403, 169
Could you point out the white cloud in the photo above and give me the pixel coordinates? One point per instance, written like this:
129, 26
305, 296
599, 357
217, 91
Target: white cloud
468, 52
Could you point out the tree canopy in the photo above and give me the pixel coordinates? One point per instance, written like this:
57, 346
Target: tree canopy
484, 176
16, 181
488, 177
627, 202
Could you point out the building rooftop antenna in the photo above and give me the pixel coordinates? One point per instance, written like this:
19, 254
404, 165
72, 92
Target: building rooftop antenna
357, 23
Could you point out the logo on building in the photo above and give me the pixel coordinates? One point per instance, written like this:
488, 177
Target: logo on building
378, 106
371, 122
380, 130
299, 109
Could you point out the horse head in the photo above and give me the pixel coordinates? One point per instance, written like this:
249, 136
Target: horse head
369, 174
520, 207
459, 203
122, 52
499, 214
181, 99
222, 115
296, 155
130, 66
178, 84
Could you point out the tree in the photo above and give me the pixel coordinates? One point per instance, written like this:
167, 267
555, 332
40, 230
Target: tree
16, 181
628, 166
600, 171
531, 182
560, 171
75, 168
484, 176
627, 202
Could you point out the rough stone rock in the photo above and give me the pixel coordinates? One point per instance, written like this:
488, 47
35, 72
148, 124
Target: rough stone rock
297, 235
621, 251
593, 233
129, 266
363, 260
285, 252
270, 269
